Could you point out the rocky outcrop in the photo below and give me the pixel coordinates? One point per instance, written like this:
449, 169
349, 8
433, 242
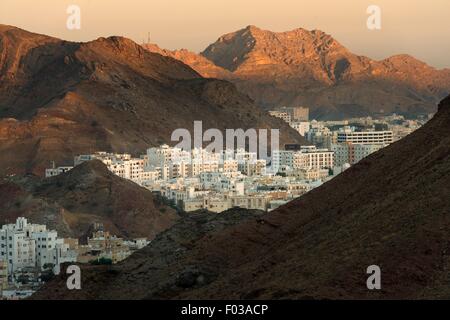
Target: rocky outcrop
390, 210
155, 271
311, 68
59, 99
71, 202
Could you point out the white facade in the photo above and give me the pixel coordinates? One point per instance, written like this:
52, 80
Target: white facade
285, 116
56, 171
282, 159
302, 127
309, 157
349, 153
25, 245
365, 137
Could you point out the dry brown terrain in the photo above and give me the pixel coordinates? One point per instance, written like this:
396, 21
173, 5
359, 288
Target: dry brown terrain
59, 99
73, 201
392, 209
311, 68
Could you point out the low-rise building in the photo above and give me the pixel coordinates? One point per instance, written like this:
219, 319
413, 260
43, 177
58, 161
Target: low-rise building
57, 171
108, 246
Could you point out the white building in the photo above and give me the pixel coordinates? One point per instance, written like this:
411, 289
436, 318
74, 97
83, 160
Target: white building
285, 116
25, 245
349, 153
302, 127
365, 137
309, 157
282, 159
17, 246
56, 171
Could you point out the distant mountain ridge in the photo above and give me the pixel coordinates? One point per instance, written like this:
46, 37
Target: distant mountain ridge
59, 99
311, 68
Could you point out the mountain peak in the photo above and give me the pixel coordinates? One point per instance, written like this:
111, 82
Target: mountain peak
5, 27
251, 49
251, 27
107, 94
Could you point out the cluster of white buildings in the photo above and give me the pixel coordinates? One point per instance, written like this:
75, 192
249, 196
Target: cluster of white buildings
27, 251
353, 146
24, 245
350, 140
328, 134
348, 145
296, 117
199, 179
217, 181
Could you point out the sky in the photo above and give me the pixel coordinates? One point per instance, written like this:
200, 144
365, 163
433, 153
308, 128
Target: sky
416, 27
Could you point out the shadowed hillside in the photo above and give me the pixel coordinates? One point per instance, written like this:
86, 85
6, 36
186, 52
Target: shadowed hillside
73, 201
392, 209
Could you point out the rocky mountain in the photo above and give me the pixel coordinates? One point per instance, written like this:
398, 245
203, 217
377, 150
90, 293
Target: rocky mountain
391, 210
71, 202
155, 263
196, 61
59, 99
311, 68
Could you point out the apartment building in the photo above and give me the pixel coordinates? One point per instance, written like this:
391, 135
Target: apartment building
349, 153
254, 168
3, 275
57, 171
230, 165
282, 159
108, 246
297, 113
302, 127
309, 157
25, 245
219, 203
283, 115
365, 137
291, 114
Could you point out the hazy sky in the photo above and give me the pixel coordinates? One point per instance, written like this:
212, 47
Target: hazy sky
418, 27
